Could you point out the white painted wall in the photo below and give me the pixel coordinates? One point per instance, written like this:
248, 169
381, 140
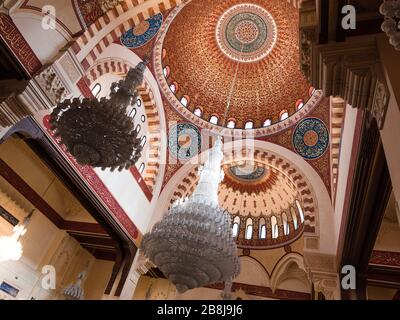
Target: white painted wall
391, 130
129, 195
346, 148
45, 43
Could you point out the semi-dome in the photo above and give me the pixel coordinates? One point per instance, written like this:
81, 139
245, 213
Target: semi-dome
264, 197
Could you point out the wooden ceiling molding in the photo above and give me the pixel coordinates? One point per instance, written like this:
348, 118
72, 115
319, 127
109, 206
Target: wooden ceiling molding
369, 192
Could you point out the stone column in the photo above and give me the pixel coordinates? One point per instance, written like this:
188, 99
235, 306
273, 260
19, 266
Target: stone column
322, 272
326, 283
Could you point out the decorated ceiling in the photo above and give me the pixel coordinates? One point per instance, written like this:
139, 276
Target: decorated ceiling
207, 40
260, 38
264, 196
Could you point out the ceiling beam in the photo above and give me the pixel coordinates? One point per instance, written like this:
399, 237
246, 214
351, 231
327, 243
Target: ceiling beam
383, 276
31, 195
29, 130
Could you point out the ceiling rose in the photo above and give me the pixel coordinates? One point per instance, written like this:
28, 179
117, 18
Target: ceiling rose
246, 33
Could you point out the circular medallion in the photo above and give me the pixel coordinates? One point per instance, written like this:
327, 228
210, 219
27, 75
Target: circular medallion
184, 141
142, 33
311, 138
246, 33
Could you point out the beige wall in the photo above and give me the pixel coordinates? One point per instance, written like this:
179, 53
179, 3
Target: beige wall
45, 244
41, 179
379, 293
154, 289
97, 280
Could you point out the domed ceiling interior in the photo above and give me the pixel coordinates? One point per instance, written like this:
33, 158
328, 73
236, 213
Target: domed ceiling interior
197, 48
256, 193
207, 40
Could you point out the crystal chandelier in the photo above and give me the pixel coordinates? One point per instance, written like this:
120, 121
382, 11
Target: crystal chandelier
101, 133
193, 244
391, 25
11, 247
75, 291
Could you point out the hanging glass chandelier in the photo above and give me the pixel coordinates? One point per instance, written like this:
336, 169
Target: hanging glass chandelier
391, 24
75, 291
100, 133
193, 244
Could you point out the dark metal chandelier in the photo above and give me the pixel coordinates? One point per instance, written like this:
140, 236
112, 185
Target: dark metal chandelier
100, 133
193, 245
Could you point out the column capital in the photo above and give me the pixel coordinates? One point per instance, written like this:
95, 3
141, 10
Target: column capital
327, 283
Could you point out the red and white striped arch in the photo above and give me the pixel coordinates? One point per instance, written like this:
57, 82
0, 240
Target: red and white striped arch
108, 28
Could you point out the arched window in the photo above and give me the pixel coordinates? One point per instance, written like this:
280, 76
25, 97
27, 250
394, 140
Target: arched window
284, 115
231, 124
214, 120
267, 122
173, 87
262, 229
141, 168
235, 228
274, 228
143, 142
198, 112
299, 104
249, 229
96, 89
143, 118
139, 103
185, 101
286, 229
133, 113
300, 209
249, 125
166, 72
138, 128
294, 217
